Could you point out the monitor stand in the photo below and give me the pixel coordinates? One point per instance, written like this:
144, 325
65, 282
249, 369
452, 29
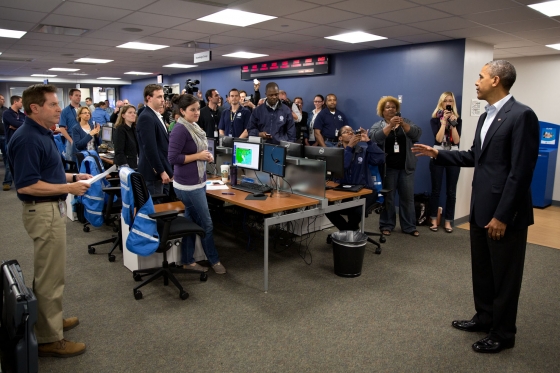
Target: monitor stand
277, 193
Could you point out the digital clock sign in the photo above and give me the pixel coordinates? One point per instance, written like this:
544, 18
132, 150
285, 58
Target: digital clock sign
286, 68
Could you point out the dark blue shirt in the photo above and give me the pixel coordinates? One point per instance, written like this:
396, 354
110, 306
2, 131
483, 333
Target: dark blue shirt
14, 119
34, 153
233, 124
357, 161
329, 123
68, 119
277, 122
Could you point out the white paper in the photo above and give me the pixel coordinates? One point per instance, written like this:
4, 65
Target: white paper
216, 185
476, 108
100, 176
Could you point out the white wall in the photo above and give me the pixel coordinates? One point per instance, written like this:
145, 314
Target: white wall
476, 55
538, 86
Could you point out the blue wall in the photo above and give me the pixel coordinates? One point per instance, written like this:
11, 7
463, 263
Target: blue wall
420, 73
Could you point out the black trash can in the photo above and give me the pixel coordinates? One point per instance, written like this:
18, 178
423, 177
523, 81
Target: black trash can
348, 252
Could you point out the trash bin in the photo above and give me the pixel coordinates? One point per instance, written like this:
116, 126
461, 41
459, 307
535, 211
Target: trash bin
348, 253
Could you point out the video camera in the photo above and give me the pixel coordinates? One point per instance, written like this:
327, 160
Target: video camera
190, 86
167, 92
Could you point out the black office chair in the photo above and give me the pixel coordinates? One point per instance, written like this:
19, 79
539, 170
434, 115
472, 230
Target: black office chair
170, 226
111, 217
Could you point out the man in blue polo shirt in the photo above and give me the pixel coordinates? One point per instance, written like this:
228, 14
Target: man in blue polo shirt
234, 121
68, 119
42, 186
328, 123
272, 120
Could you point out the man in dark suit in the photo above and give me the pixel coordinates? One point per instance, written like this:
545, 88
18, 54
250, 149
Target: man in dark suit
504, 154
153, 142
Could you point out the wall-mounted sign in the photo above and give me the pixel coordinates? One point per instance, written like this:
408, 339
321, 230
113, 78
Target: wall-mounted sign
314, 65
203, 57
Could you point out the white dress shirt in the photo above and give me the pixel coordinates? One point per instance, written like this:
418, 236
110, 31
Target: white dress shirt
491, 111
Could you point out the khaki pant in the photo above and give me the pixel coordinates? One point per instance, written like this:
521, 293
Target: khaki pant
47, 228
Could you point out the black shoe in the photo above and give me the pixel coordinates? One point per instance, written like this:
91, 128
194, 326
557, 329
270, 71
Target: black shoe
470, 326
491, 346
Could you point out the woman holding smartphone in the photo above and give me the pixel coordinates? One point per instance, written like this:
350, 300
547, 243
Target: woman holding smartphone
446, 126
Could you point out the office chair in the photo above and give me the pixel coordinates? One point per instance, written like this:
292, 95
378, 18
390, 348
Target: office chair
111, 217
170, 226
377, 207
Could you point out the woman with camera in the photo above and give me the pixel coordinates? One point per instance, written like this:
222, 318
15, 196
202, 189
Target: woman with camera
395, 135
446, 126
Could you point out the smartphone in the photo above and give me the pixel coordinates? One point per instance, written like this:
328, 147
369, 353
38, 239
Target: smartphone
398, 114
449, 108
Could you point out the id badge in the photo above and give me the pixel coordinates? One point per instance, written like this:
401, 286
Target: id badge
336, 133
396, 148
62, 208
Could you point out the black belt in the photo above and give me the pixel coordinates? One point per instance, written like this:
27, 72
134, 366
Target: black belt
40, 201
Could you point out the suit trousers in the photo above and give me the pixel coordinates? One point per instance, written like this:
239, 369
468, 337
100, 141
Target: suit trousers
497, 272
47, 228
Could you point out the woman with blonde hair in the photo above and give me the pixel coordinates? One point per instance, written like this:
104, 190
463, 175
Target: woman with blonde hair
395, 135
125, 141
86, 135
446, 126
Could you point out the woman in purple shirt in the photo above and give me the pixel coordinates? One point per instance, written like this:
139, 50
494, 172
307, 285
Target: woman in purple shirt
188, 153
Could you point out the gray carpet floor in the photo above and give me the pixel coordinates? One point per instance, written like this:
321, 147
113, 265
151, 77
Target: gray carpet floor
395, 317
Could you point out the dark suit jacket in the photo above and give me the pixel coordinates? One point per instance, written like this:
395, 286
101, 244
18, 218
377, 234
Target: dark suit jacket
153, 143
503, 167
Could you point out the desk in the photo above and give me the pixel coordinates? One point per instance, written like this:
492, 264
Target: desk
276, 207
106, 160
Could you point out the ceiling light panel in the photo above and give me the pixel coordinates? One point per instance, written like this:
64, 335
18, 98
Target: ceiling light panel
44, 75
92, 60
137, 73
554, 46
62, 69
142, 46
109, 78
236, 18
550, 8
180, 66
355, 37
14, 34
244, 55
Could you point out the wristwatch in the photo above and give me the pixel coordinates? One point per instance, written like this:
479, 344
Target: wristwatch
74, 178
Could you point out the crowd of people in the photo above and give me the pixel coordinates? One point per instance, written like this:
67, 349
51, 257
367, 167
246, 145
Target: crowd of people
503, 155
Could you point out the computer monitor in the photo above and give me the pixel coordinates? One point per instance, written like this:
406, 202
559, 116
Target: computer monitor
227, 141
333, 156
293, 149
247, 155
274, 159
212, 147
107, 134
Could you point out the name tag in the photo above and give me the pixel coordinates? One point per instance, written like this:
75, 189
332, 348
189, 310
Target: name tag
396, 148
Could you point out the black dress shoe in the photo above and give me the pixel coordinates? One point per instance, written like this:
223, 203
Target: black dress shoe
470, 326
491, 346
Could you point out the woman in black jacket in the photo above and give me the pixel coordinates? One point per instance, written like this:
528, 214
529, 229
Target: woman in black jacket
125, 141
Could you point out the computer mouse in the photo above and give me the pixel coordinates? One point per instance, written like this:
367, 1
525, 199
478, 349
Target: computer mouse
258, 194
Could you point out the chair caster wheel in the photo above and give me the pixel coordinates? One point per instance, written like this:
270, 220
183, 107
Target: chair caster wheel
91, 250
183, 295
329, 239
86, 229
136, 277
382, 239
111, 258
203, 276
378, 251
115, 229
138, 294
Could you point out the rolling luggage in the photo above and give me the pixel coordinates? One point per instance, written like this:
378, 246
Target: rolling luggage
19, 315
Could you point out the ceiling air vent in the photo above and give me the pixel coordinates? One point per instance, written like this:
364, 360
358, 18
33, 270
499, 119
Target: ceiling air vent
16, 59
59, 30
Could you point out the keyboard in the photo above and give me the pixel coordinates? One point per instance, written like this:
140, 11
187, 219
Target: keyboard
252, 188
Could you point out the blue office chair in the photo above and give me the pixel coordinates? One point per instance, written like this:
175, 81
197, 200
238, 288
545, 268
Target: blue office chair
170, 227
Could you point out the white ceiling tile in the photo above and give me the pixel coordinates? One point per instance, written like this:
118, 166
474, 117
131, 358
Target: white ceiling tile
277, 9
504, 15
424, 38
44, 6
515, 44
369, 7
387, 43
323, 15
363, 23
181, 35
323, 2
505, 53
50, 37
250, 33
77, 22
410, 15
534, 51
461, 7
46, 43
117, 27
322, 31
526, 25
90, 11
471, 32
396, 31
224, 39
283, 25
539, 34
122, 4
451, 23
497, 38
179, 8
289, 38
154, 20
204, 27
111, 38
16, 14
17, 25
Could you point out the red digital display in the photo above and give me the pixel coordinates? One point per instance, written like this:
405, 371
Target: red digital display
284, 68
321, 59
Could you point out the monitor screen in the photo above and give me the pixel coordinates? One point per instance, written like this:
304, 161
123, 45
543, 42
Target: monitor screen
274, 159
246, 155
227, 141
107, 133
333, 156
212, 148
293, 149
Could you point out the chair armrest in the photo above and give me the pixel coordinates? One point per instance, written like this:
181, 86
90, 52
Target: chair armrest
112, 190
164, 214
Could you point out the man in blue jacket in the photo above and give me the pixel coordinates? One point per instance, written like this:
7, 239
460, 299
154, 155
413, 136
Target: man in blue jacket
272, 120
359, 153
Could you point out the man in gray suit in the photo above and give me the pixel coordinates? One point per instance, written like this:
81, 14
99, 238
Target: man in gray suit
504, 154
